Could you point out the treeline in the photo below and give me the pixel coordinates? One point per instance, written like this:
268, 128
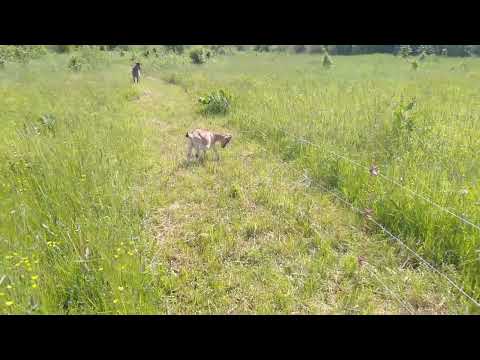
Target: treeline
447, 50
24, 53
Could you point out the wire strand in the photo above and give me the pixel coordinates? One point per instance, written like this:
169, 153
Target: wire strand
393, 236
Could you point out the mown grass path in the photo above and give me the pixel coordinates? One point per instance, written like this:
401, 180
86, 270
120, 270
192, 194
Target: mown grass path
246, 235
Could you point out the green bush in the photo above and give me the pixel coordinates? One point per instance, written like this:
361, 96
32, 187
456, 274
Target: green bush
177, 49
75, 63
198, 55
64, 49
316, 49
21, 53
299, 49
262, 48
215, 103
405, 51
88, 59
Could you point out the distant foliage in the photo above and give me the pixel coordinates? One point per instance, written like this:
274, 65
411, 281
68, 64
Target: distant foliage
405, 51
356, 50
64, 49
344, 49
317, 49
218, 49
281, 48
401, 50
177, 49
21, 53
88, 58
262, 48
299, 49
331, 49
427, 49
198, 55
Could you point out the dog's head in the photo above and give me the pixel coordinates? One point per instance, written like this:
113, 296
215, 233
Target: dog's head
226, 140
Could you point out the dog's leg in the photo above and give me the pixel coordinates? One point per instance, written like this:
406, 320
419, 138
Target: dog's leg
197, 152
189, 151
217, 157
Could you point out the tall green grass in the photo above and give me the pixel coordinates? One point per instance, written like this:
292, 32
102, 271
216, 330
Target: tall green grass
72, 153
358, 108
76, 163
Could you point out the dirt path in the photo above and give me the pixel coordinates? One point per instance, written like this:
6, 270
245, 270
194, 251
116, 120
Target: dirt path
245, 235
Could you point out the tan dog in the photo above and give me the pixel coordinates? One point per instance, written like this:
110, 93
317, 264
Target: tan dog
203, 140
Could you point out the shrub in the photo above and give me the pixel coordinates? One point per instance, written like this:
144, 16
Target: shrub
405, 51
88, 59
262, 48
217, 102
344, 49
280, 48
317, 49
75, 63
177, 49
218, 49
299, 49
64, 49
21, 53
332, 49
198, 55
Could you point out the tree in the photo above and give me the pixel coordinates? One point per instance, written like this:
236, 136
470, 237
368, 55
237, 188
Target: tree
177, 49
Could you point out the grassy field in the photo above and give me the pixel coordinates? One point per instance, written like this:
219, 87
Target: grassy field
101, 214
